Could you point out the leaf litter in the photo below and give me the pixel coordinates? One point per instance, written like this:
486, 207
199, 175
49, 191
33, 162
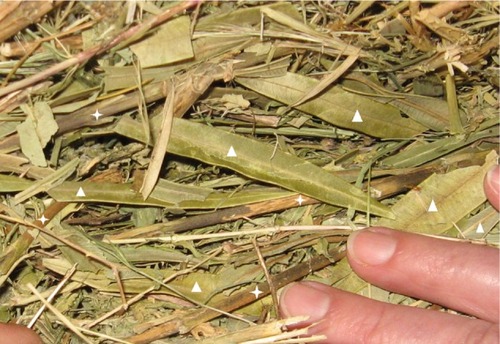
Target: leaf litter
138, 105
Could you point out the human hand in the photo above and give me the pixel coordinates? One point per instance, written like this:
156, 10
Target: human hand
17, 334
456, 275
422, 267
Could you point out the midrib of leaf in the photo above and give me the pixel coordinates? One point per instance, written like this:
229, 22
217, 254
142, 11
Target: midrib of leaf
433, 119
256, 160
287, 89
123, 194
447, 191
421, 154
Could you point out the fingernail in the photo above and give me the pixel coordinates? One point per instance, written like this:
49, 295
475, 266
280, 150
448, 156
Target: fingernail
493, 178
305, 298
372, 246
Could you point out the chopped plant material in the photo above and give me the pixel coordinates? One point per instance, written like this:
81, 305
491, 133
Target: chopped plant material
167, 167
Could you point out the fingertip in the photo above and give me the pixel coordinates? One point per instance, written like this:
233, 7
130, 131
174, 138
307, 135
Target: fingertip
492, 186
371, 246
12, 333
305, 298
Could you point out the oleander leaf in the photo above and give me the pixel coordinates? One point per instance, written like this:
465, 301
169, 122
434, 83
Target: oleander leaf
165, 194
337, 106
426, 152
262, 162
455, 195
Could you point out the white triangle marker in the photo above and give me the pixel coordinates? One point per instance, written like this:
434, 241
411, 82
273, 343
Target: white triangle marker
80, 192
196, 288
357, 117
432, 207
231, 153
480, 229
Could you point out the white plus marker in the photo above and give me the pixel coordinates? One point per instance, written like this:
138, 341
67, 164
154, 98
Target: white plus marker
480, 229
231, 153
97, 114
256, 292
80, 193
432, 207
357, 117
196, 288
300, 200
43, 219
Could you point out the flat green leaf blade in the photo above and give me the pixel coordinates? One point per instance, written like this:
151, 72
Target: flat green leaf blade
260, 161
337, 106
428, 111
176, 193
424, 153
46, 183
455, 194
152, 50
100, 192
163, 195
134, 282
30, 143
13, 183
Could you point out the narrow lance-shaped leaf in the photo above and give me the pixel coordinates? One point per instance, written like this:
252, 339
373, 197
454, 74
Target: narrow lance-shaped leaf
165, 194
329, 79
337, 106
419, 155
158, 153
13, 183
259, 161
48, 182
177, 193
136, 281
428, 111
455, 194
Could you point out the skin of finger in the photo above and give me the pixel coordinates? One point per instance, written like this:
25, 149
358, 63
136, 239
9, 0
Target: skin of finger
461, 276
11, 333
355, 319
492, 187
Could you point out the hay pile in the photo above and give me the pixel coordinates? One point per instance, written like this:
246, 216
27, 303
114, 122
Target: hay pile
167, 167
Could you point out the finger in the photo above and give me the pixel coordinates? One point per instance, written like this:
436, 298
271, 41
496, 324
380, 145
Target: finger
457, 275
348, 318
492, 186
11, 333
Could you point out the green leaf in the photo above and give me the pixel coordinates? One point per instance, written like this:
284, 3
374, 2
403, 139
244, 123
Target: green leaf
245, 16
134, 282
46, 183
430, 112
260, 161
36, 131
30, 143
13, 183
45, 124
124, 194
177, 193
426, 152
171, 43
7, 128
455, 194
336, 106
